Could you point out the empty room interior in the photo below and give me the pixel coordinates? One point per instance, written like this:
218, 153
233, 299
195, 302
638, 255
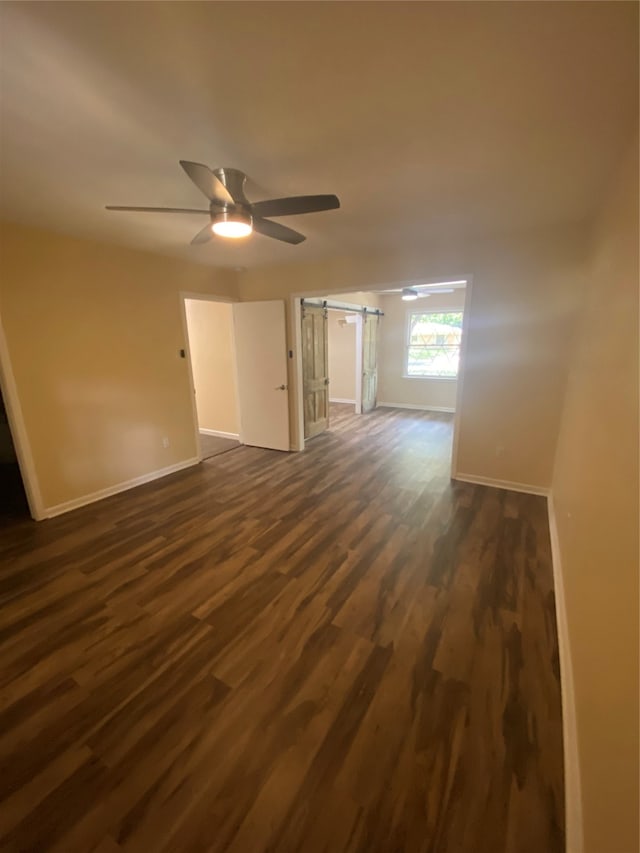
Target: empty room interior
319, 427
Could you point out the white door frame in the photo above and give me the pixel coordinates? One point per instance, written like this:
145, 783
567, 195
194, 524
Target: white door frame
296, 384
359, 331
462, 365
18, 432
203, 297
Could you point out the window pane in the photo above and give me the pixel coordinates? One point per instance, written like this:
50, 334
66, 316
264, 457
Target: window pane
433, 348
433, 361
443, 328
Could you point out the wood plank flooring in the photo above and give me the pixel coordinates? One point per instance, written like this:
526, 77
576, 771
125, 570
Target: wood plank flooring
336, 650
214, 445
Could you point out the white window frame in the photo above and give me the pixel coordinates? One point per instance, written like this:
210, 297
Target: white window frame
407, 333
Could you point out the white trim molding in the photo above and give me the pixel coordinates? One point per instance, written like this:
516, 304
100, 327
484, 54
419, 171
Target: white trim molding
431, 378
219, 433
525, 488
415, 407
572, 786
462, 366
341, 400
76, 503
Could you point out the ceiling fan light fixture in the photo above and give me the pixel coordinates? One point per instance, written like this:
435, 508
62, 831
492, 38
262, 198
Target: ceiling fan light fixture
232, 224
231, 214
408, 295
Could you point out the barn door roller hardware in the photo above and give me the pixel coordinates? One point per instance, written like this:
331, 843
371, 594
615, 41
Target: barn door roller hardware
364, 310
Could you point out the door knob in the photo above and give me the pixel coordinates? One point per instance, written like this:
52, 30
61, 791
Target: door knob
281, 388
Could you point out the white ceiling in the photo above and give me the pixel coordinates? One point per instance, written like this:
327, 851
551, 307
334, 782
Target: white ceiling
426, 119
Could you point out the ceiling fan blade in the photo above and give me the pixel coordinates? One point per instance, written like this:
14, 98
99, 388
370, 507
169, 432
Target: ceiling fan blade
206, 181
277, 231
203, 236
155, 209
295, 204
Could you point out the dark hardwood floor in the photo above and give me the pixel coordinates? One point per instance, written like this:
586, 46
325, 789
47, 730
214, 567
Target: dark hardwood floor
214, 445
336, 650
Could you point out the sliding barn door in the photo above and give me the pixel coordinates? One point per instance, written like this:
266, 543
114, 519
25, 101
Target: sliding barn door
261, 363
315, 369
369, 362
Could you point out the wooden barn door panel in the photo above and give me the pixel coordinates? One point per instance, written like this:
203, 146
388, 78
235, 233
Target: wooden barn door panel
315, 369
369, 362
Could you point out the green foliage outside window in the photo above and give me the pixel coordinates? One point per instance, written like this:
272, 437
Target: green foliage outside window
433, 345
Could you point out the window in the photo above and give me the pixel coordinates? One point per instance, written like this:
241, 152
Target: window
433, 344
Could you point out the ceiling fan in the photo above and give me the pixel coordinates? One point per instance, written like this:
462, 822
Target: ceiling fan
410, 294
230, 211
420, 291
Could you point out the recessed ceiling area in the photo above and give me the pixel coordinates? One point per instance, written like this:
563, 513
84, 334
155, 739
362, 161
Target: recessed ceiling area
428, 120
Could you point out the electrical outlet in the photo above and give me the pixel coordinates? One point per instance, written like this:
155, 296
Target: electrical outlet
165, 441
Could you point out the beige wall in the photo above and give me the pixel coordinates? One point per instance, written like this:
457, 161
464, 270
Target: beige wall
526, 289
595, 493
210, 326
342, 357
393, 386
94, 333
360, 298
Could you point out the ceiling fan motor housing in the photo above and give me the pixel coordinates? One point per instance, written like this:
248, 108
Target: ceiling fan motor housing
234, 180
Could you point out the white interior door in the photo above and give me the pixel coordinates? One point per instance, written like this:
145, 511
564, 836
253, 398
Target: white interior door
261, 360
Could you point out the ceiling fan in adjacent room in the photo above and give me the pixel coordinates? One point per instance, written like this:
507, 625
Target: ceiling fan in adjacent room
230, 212
410, 294
420, 291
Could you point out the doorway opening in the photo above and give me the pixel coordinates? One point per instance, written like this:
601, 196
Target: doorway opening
412, 355
236, 356
18, 470
337, 367
209, 335
344, 339
13, 496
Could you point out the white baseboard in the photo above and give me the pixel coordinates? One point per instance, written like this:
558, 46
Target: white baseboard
502, 484
341, 400
572, 787
219, 433
76, 503
417, 408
